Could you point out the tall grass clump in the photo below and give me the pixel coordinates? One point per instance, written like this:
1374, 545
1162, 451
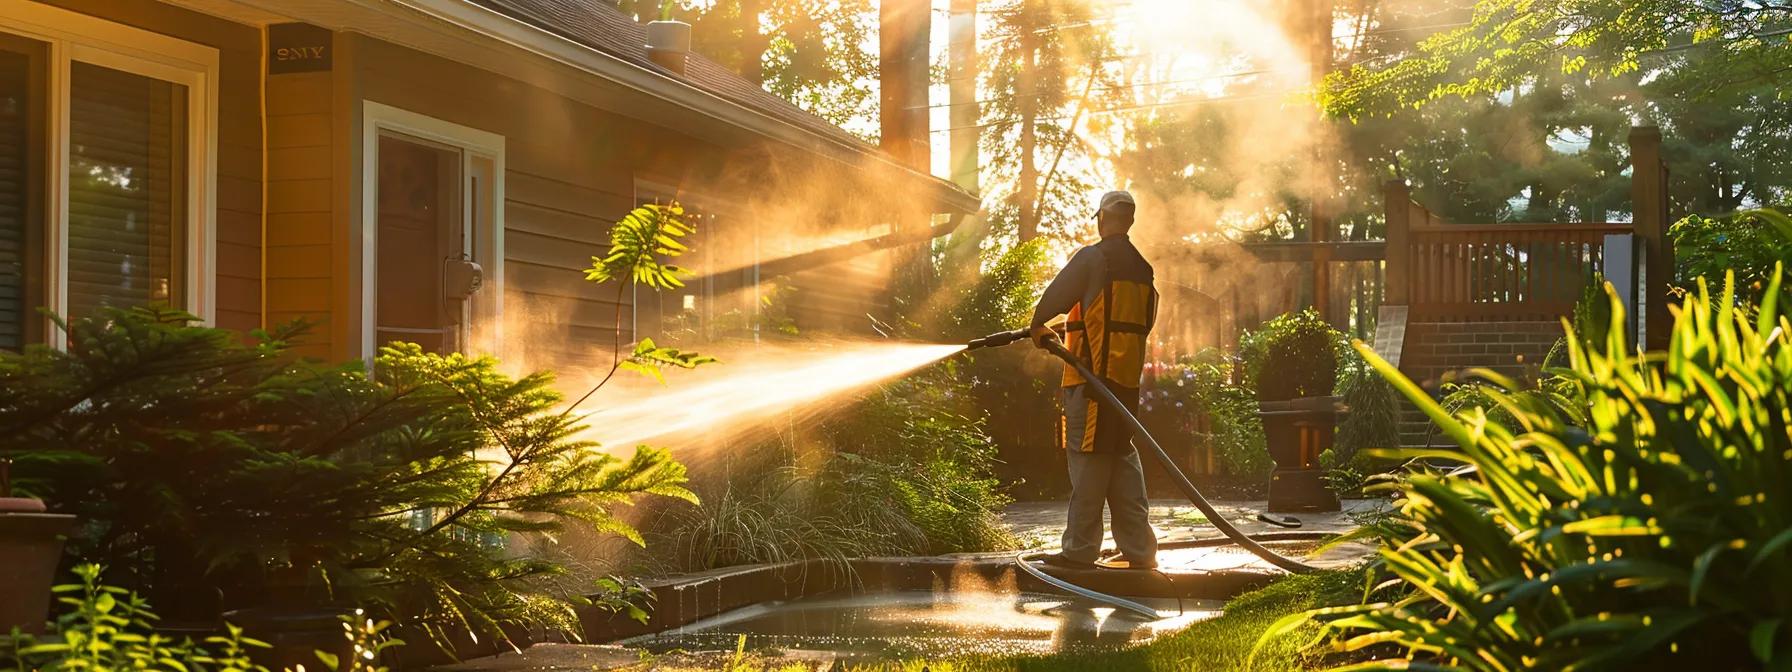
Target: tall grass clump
1652, 533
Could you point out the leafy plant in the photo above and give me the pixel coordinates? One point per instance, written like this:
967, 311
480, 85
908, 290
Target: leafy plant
1292, 356
899, 473
1195, 400
1651, 531
1750, 244
649, 359
391, 490
110, 628
642, 245
1374, 417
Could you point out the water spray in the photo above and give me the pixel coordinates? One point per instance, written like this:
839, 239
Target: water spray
1054, 346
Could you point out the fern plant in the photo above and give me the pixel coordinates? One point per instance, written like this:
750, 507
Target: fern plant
1652, 531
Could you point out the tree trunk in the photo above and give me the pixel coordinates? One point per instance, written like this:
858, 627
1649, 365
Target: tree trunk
1028, 189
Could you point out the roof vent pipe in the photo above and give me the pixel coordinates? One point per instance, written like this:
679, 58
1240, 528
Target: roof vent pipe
668, 42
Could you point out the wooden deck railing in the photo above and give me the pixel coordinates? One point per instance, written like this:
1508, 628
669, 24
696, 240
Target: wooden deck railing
1491, 272
1502, 271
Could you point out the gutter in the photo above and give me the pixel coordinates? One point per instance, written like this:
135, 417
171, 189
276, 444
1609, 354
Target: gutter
497, 27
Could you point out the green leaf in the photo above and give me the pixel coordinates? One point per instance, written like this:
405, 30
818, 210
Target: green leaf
1761, 636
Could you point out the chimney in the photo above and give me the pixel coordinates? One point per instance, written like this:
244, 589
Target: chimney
668, 42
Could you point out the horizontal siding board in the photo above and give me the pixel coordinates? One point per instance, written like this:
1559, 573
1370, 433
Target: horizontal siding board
602, 204
299, 261
239, 227
300, 163
532, 248
299, 195
239, 261
556, 282
299, 294
300, 93
240, 295
298, 228
558, 224
299, 130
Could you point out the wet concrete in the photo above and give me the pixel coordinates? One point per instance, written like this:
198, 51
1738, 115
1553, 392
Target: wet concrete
925, 624
937, 606
1038, 524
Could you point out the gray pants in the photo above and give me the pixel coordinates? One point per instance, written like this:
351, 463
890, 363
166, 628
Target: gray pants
1117, 480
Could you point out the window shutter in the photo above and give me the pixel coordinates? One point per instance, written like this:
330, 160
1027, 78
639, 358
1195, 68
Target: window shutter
16, 105
126, 190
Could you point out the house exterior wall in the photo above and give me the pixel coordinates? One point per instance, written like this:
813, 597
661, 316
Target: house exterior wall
239, 193
300, 244
570, 170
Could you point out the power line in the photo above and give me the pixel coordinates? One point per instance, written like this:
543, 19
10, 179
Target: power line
1193, 102
1135, 85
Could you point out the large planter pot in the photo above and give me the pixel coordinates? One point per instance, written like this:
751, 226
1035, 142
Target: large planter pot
30, 548
1297, 431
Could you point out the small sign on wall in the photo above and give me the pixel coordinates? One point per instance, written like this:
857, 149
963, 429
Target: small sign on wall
298, 47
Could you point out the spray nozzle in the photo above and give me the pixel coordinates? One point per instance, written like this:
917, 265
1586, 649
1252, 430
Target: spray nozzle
997, 339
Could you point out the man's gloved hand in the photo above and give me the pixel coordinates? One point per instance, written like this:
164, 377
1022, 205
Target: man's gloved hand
1040, 334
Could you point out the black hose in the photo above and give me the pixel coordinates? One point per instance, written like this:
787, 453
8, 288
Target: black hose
1225, 527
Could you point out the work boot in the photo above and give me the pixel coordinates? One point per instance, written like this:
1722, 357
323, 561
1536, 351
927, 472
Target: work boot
1061, 561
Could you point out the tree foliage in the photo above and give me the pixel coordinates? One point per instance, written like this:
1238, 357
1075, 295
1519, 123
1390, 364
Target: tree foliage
212, 474
819, 54
1509, 44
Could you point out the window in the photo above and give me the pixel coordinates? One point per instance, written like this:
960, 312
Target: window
722, 297
106, 136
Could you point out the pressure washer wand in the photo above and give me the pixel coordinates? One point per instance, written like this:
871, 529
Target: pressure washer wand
996, 340
1054, 346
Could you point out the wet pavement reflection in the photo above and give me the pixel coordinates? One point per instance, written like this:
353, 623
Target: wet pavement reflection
911, 624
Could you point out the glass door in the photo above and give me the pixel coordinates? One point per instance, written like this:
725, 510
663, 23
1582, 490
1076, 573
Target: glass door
422, 229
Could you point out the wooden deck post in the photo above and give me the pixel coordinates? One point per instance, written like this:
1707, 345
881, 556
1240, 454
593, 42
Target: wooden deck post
1649, 199
1398, 206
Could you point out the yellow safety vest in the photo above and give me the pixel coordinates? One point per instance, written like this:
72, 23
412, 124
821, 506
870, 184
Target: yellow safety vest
1106, 332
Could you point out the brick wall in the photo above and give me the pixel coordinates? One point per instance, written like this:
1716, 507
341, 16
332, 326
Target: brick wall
1438, 352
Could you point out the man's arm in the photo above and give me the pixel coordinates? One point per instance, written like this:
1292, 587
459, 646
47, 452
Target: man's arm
1063, 292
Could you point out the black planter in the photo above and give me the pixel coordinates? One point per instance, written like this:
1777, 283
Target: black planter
1297, 432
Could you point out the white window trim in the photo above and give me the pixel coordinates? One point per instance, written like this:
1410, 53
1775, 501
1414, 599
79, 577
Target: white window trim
487, 321
72, 36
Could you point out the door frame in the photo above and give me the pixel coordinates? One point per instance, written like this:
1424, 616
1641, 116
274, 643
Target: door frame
485, 322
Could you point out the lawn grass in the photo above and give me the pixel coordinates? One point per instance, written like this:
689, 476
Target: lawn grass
1221, 644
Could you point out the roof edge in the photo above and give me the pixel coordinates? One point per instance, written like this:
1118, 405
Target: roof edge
495, 26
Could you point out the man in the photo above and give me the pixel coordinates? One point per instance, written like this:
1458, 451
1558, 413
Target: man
1107, 291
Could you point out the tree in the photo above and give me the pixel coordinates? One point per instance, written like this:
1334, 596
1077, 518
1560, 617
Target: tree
1526, 106
1507, 44
818, 54
1046, 58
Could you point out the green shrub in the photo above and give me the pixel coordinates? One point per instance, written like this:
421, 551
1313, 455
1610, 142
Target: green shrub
1178, 398
901, 472
213, 474
1748, 244
1294, 355
1650, 531
1374, 417
107, 628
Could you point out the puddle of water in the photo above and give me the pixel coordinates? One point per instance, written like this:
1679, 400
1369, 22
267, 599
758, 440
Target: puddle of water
925, 624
